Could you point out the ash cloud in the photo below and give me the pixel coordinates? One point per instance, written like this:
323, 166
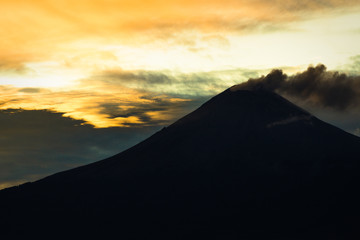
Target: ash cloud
329, 95
316, 87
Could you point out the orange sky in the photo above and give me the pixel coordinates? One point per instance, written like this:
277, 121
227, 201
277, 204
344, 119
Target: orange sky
112, 72
61, 46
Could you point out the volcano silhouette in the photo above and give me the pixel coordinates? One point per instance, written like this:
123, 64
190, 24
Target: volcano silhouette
247, 164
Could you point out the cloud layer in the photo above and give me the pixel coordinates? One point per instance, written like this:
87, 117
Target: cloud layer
39, 142
30, 32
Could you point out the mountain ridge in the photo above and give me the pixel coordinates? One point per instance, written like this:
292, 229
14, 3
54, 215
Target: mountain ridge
246, 164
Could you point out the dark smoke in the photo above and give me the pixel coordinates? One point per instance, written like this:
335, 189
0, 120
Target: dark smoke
315, 86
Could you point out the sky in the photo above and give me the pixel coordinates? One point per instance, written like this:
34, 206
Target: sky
83, 80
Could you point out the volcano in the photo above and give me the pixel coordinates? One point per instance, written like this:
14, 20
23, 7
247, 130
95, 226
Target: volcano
247, 164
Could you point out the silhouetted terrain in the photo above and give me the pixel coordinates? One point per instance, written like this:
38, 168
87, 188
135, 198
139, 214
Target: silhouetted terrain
247, 164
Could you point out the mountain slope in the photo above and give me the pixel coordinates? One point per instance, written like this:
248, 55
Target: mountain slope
246, 164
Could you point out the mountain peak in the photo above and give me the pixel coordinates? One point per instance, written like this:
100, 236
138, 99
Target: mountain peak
237, 106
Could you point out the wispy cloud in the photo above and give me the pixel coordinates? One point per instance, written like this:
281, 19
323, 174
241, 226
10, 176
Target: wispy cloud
30, 25
174, 83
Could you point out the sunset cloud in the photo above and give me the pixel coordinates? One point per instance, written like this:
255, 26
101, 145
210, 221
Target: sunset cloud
33, 27
101, 105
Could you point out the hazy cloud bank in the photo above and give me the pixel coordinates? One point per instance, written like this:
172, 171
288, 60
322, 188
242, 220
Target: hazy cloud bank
36, 143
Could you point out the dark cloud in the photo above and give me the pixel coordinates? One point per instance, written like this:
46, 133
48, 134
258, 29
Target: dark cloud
155, 79
316, 86
36, 143
30, 90
148, 77
311, 5
162, 106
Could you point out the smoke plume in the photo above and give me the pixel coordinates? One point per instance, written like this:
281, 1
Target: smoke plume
315, 86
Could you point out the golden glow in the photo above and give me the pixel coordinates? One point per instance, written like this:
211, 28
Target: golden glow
55, 45
84, 103
11, 184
